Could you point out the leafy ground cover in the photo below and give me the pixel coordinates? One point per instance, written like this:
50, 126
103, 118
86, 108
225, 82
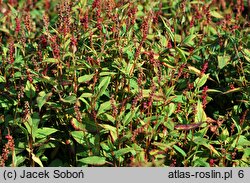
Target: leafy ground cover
124, 83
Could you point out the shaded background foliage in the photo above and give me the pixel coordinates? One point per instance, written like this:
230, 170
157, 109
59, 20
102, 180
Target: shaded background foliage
124, 83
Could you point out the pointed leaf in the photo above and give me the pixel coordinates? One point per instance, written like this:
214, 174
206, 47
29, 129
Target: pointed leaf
200, 116
169, 32
2, 79
199, 82
182, 54
103, 85
42, 99
78, 136
104, 107
77, 125
93, 160
123, 151
85, 78
44, 132
69, 99
37, 160
180, 150
216, 14
30, 90
223, 61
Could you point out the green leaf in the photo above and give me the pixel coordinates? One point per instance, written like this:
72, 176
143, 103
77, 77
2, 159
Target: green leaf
18, 160
194, 70
199, 82
86, 95
78, 136
37, 160
224, 135
223, 61
93, 160
69, 99
13, 10
30, 90
111, 129
200, 115
177, 148
108, 73
171, 108
200, 141
77, 125
213, 91
201, 162
85, 78
42, 99
237, 125
103, 85
49, 80
104, 107
169, 32
232, 90
44, 132
169, 91
51, 60
2, 79
247, 152
164, 146
243, 141
85, 101
123, 151
216, 14
189, 40
34, 122
134, 85
182, 54
129, 116
246, 54
179, 98
90, 123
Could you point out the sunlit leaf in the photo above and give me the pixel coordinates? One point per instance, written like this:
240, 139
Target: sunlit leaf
200, 81
170, 33
104, 107
51, 60
182, 54
42, 98
37, 160
69, 99
216, 14
200, 115
30, 90
78, 136
45, 132
189, 40
123, 151
2, 79
85, 78
232, 90
111, 129
93, 160
76, 124
103, 85
223, 61
180, 150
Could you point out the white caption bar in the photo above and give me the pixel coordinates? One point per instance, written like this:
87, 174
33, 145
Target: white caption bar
126, 175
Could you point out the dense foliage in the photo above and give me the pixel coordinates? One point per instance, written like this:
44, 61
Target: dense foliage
124, 83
